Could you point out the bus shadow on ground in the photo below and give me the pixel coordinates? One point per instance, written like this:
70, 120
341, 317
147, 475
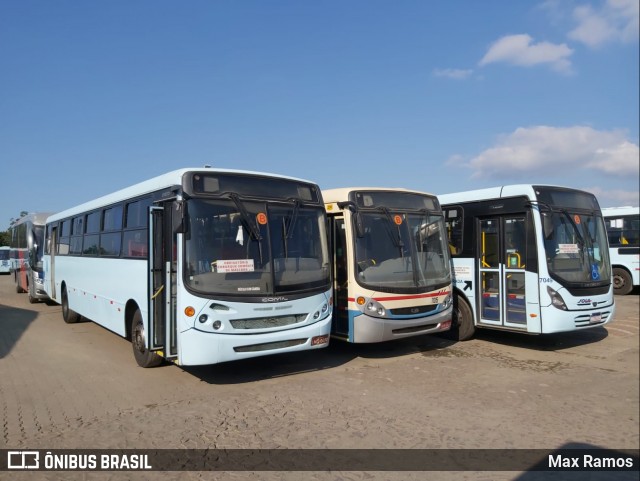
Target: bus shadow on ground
14, 322
270, 367
544, 342
396, 348
336, 354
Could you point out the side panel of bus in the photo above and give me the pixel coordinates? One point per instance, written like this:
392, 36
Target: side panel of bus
623, 228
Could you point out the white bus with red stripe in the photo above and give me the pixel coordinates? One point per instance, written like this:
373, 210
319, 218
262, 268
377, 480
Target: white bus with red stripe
391, 265
27, 246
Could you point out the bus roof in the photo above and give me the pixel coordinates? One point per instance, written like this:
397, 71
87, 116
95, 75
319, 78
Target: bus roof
497, 193
38, 218
173, 178
342, 193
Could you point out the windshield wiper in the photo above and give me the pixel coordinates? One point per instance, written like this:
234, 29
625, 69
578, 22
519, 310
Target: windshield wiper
293, 218
423, 230
395, 236
575, 227
254, 230
287, 231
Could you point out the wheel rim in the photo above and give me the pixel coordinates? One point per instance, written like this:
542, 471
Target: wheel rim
138, 337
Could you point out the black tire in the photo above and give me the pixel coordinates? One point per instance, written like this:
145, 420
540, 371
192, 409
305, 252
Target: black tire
462, 325
32, 299
70, 316
622, 283
144, 357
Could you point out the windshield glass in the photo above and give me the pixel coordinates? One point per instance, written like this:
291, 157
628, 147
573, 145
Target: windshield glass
401, 252
576, 246
4, 254
38, 238
242, 247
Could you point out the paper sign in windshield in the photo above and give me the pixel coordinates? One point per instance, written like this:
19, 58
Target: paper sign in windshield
568, 249
234, 265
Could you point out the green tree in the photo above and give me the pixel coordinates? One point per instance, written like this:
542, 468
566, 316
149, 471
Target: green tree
5, 238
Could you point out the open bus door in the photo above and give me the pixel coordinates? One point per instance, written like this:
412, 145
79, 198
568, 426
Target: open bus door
340, 324
162, 281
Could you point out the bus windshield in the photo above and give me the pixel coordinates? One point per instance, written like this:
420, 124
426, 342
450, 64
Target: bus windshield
576, 246
38, 239
4, 254
236, 247
401, 252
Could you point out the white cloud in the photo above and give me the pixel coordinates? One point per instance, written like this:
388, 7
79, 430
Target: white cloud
614, 197
520, 50
453, 73
615, 21
563, 149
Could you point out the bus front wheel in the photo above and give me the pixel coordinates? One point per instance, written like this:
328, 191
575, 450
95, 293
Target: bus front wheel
144, 357
622, 283
69, 315
463, 327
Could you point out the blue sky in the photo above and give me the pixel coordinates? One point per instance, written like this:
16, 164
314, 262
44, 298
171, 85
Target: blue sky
439, 96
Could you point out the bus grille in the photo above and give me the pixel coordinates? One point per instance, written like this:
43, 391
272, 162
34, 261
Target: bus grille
585, 319
407, 330
270, 345
268, 322
407, 311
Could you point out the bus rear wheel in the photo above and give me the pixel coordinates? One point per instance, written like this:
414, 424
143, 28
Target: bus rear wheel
622, 283
70, 316
144, 357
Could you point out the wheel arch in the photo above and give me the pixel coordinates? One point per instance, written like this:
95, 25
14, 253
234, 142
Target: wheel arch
130, 309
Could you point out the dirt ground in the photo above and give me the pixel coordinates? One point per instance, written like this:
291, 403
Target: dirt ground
78, 386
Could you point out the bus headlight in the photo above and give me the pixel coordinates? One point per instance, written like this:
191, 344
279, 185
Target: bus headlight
371, 307
323, 310
374, 307
556, 299
447, 302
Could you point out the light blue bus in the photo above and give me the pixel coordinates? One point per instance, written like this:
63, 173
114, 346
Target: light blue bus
198, 266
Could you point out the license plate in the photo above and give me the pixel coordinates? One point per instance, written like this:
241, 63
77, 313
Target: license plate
596, 317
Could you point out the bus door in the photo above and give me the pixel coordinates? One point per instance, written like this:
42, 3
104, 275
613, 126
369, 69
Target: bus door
340, 325
53, 249
502, 263
162, 285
